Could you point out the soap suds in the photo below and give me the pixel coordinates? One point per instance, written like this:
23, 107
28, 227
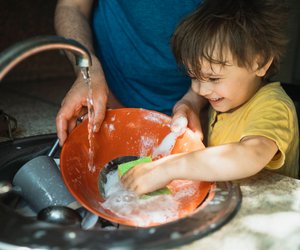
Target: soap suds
143, 212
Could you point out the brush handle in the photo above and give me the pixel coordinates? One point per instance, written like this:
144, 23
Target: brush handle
54, 148
166, 146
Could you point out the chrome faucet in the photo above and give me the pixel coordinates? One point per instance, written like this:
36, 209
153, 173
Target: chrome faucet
15, 54
18, 52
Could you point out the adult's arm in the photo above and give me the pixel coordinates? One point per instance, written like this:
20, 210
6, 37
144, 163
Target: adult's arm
72, 20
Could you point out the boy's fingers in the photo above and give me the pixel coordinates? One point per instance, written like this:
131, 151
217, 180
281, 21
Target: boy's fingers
179, 124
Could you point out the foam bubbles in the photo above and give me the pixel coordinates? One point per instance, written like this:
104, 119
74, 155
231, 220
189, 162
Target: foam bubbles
143, 212
166, 146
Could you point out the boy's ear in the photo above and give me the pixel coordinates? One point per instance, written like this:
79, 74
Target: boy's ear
261, 71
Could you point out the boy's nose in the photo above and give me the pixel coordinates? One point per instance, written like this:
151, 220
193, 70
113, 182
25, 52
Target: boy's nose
205, 89
202, 88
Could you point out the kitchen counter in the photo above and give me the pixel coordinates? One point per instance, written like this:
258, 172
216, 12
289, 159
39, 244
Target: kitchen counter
269, 217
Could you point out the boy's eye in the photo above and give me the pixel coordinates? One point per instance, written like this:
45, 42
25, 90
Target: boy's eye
208, 79
213, 79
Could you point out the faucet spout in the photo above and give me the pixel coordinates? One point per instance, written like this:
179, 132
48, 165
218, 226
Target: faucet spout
18, 52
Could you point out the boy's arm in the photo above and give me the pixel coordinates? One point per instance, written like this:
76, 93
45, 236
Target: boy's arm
229, 161
219, 163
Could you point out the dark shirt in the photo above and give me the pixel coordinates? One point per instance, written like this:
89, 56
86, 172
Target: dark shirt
132, 40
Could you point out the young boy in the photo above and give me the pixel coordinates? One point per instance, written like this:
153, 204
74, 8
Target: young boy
230, 50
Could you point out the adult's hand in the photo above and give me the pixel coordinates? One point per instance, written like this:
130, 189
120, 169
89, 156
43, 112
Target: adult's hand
74, 105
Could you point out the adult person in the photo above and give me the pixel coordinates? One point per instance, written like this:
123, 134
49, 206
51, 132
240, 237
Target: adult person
132, 62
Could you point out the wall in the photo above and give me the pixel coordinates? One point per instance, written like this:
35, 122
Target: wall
23, 19
290, 67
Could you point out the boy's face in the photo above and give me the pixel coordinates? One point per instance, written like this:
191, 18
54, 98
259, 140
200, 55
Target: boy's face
226, 87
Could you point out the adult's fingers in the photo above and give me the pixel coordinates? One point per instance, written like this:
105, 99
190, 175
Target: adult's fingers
64, 124
98, 92
72, 106
99, 105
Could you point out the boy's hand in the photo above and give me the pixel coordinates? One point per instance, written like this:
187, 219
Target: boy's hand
179, 125
146, 177
184, 110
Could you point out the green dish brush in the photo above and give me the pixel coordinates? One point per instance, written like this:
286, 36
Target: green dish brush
124, 167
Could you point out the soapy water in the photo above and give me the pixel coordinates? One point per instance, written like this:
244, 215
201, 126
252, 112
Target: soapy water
156, 117
142, 211
156, 209
146, 144
147, 211
152, 210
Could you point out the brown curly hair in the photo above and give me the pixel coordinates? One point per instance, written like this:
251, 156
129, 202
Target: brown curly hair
247, 28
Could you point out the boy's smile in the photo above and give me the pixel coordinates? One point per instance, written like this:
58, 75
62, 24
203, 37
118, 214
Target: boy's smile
226, 87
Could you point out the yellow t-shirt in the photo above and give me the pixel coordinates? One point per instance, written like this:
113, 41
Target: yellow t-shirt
270, 113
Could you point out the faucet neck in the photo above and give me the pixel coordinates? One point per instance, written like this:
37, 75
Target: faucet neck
18, 52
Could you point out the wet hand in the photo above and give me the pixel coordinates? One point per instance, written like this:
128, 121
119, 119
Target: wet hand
146, 177
185, 116
74, 105
179, 124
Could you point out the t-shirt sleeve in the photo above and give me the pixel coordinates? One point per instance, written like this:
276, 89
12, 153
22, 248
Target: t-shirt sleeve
272, 119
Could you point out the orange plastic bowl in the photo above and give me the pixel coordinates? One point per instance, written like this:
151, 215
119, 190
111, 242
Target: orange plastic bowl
124, 132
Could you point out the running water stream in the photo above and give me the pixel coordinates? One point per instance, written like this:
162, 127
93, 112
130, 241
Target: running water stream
91, 116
